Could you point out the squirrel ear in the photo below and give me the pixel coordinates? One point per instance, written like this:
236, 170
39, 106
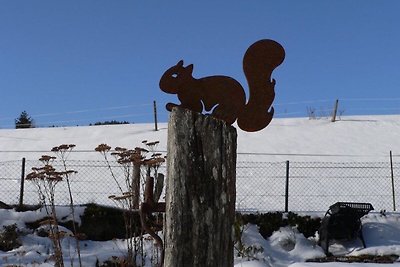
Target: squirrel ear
189, 68
180, 63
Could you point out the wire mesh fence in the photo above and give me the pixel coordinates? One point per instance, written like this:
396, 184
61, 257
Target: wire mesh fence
315, 183
314, 186
260, 186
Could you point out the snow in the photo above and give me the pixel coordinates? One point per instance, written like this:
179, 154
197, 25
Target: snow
288, 247
283, 248
336, 264
356, 138
284, 139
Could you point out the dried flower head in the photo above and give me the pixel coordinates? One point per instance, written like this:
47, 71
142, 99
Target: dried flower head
63, 147
31, 176
47, 158
102, 148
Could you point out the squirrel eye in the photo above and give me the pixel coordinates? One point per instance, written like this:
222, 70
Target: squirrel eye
174, 75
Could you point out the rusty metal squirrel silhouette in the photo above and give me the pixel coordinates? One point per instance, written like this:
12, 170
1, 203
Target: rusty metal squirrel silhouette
224, 95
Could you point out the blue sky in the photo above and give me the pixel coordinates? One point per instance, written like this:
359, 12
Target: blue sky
79, 62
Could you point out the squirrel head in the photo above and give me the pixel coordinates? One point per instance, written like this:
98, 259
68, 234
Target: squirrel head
175, 78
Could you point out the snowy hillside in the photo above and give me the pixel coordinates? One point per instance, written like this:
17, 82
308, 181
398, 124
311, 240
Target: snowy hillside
358, 138
261, 160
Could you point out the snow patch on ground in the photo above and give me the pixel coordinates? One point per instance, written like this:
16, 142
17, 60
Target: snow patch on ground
284, 247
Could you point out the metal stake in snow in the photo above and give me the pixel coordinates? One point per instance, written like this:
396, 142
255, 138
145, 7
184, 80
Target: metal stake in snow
200, 194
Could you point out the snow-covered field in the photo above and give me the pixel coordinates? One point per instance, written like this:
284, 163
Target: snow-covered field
364, 140
356, 139
286, 247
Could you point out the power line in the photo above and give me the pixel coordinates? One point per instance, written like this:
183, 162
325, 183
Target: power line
281, 111
304, 102
97, 118
82, 111
370, 99
396, 108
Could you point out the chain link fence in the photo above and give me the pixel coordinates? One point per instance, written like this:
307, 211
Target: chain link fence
260, 186
93, 182
314, 186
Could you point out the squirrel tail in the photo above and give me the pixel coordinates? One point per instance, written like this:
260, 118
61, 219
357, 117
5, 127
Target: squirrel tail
260, 59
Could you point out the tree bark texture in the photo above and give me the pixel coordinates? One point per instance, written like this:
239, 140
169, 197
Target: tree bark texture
201, 191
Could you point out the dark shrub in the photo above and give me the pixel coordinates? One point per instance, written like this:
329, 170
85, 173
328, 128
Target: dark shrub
267, 222
305, 224
272, 221
102, 223
98, 223
9, 238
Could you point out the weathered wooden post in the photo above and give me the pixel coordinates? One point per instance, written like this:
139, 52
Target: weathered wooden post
201, 163
200, 194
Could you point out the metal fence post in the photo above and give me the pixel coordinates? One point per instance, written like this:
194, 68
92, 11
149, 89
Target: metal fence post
155, 115
21, 192
335, 110
392, 175
287, 188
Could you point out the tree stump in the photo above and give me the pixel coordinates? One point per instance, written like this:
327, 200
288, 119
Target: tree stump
201, 191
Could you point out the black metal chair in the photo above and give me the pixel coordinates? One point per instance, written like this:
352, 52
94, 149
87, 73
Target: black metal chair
342, 221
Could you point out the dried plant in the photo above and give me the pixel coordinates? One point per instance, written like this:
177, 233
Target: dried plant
153, 164
311, 112
46, 179
132, 187
129, 197
63, 151
104, 150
